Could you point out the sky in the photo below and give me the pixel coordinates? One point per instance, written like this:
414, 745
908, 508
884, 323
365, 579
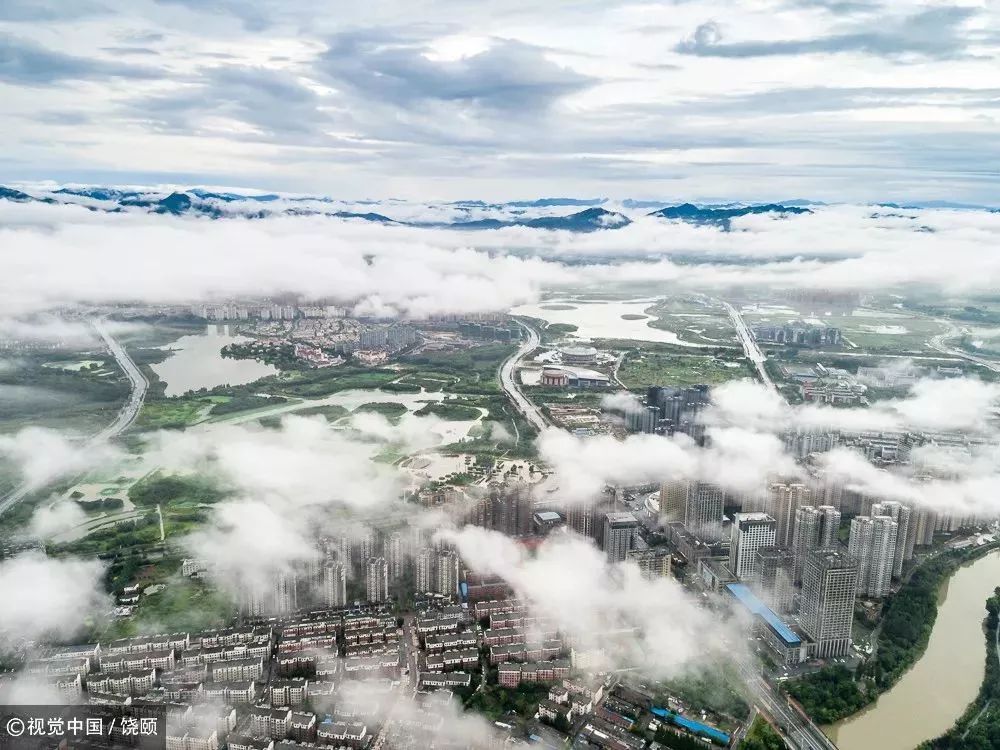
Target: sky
852, 100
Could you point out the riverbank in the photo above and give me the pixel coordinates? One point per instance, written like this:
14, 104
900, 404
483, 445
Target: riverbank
835, 693
946, 678
979, 726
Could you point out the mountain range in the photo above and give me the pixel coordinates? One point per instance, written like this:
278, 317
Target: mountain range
543, 213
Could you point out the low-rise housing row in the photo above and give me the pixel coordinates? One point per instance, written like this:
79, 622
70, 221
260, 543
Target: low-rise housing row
511, 674
535, 651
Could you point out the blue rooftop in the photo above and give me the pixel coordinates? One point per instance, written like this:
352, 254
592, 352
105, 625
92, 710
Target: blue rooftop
749, 600
691, 725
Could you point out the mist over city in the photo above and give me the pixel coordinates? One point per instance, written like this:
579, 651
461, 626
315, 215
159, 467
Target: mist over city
414, 376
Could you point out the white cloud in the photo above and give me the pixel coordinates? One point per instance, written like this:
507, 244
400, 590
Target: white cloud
42, 455
49, 520
49, 598
570, 583
958, 404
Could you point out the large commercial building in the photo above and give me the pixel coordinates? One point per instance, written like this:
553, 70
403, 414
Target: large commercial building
782, 640
619, 532
703, 511
773, 577
814, 528
829, 585
873, 544
749, 532
673, 500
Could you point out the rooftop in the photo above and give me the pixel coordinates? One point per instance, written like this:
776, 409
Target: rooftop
749, 600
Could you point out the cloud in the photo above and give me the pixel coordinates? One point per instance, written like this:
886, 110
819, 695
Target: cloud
33, 11
436, 718
27, 63
249, 542
285, 488
254, 16
52, 328
961, 404
620, 401
569, 582
304, 463
42, 455
48, 598
935, 33
50, 520
736, 458
21, 689
65, 254
266, 102
413, 432
508, 75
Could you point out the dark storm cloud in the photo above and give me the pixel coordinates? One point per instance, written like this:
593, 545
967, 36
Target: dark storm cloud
936, 33
509, 75
26, 63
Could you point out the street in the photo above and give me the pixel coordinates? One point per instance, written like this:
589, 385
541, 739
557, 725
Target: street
799, 733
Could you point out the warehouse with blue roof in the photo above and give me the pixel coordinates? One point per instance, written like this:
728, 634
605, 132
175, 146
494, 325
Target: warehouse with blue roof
788, 645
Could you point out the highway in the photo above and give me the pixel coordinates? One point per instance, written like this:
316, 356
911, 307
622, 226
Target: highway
139, 383
125, 417
939, 342
799, 733
750, 348
508, 380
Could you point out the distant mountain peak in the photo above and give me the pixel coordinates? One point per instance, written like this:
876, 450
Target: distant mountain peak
722, 217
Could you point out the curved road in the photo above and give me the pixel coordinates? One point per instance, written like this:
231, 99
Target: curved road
127, 415
939, 342
508, 380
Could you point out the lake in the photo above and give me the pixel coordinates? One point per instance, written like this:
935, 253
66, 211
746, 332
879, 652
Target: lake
196, 362
603, 320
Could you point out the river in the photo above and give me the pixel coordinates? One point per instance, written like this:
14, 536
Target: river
929, 698
197, 362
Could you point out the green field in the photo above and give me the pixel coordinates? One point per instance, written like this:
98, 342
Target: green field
453, 412
642, 369
43, 389
876, 329
694, 321
388, 409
